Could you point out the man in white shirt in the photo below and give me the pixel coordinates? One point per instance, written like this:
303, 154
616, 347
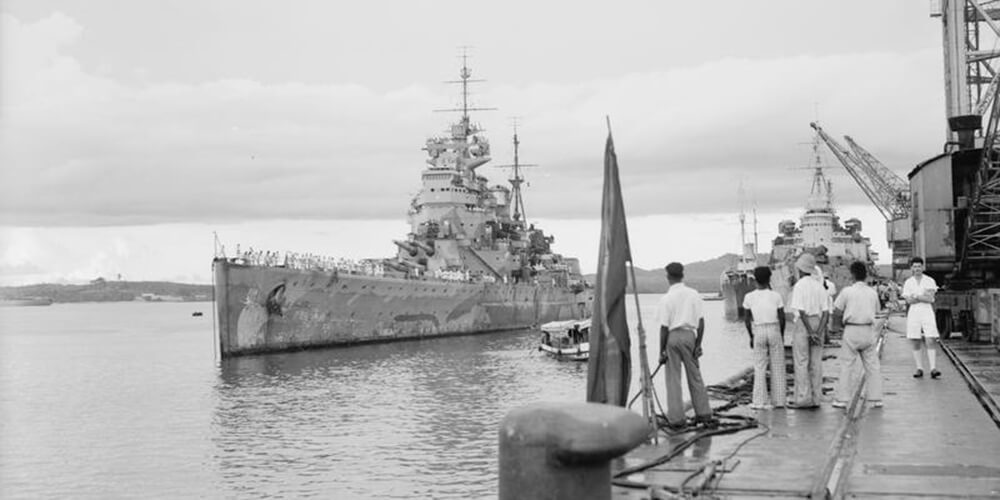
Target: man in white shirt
765, 322
859, 305
812, 303
682, 326
921, 325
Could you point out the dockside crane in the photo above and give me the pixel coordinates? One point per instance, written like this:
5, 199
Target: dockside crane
955, 215
972, 83
981, 244
887, 191
893, 191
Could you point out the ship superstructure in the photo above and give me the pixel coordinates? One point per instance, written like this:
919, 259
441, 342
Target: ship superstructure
468, 265
460, 223
821, 233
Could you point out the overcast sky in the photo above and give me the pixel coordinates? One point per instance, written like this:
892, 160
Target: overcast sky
131, 131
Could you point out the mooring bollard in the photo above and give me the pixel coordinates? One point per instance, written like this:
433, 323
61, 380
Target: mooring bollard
564, 450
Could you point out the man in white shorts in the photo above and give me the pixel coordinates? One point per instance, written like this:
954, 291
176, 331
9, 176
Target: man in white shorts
921, 326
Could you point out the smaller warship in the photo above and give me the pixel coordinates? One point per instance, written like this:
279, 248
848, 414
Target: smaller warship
737, 281
819, 232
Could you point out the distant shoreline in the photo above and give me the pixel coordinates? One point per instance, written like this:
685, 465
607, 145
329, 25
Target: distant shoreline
100, 290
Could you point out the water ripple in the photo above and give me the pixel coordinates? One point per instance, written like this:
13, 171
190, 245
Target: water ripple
132, 405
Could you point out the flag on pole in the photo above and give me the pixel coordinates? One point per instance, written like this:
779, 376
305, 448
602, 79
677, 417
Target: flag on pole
609, 371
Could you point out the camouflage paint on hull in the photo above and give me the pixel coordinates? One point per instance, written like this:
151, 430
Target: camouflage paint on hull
270, 309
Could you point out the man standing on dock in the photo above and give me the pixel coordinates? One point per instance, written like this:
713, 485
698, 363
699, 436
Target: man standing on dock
859, 304
812, 303
682, 325
921, 325
765, 313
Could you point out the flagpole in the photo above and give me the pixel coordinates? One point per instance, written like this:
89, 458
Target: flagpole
647, 397
648, 412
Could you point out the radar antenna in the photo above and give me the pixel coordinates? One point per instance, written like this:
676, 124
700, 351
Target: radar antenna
466, 78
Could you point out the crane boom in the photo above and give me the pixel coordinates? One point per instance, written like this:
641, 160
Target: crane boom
887, 191
856, 171
893, 191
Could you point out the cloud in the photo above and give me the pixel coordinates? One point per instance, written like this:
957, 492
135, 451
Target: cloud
81, 149
17, 270
178, 252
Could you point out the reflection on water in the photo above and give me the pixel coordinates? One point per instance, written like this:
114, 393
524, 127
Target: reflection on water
405, 420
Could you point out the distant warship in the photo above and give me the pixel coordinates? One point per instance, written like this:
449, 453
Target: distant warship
819, 232
470, 264
737, 280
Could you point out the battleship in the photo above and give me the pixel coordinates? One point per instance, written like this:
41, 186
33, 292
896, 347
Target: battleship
818, 232
470, 264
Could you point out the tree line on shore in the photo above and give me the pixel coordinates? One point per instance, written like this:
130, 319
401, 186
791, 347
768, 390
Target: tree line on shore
100, 290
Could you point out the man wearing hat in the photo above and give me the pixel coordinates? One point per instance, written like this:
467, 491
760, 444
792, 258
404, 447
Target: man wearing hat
682, 325
811, 301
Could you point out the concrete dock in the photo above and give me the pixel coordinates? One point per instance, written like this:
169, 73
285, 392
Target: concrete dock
932, 439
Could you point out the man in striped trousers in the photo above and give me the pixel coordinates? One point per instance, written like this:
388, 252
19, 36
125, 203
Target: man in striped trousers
765, 322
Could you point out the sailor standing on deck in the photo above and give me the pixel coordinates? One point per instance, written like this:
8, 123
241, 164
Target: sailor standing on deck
921, 325
682, 326
859, 304
765, 322
811, 302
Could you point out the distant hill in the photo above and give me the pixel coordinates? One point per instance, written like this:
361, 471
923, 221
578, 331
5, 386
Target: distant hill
702, 275
100, 290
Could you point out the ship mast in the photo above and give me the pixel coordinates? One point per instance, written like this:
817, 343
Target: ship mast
743, 230
517, 180
748, 256
740, 196
821, 193
466, 78
465, 74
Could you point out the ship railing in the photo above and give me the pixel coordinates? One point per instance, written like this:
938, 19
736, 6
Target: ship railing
307, 262
452, 275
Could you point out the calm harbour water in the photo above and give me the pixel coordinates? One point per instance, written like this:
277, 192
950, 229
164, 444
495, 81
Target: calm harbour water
126, 400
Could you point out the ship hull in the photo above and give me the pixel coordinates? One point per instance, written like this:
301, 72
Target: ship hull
734, 286
263, 309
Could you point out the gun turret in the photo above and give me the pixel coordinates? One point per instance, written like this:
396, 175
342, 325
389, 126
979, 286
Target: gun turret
406, 246
428, 248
